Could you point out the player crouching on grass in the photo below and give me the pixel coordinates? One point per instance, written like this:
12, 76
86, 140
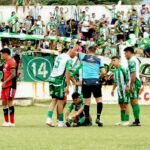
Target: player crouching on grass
59, 84
135, 83
121, 81
8, 92
78, 118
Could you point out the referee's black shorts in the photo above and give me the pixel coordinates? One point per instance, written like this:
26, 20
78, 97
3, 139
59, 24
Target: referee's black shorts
89, 89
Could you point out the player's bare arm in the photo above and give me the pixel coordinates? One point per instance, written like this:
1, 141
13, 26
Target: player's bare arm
133, 78
67, 81
103, 72
13, 74
73, 80
113, 89
67, 115
79, 112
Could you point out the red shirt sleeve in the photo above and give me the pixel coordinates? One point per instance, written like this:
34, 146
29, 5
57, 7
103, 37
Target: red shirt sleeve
12, 64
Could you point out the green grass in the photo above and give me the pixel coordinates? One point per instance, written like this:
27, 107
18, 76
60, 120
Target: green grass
31, 133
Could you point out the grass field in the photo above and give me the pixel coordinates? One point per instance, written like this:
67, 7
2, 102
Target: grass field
31, 133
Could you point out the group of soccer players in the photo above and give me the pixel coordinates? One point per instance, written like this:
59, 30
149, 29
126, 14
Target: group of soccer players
86, 75
128, 82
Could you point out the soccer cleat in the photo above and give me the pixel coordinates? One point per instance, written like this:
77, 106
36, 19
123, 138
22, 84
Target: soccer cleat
68, 124
135, 124
99, 123
87, 122
49, 122
119, 123
125, 123
12, 124
6, 124
61, 124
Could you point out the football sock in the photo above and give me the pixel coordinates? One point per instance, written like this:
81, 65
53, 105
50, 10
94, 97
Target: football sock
5, 111
61, 117
126, 117
136, 112
99, 109
50, 114
12, 114
122, 115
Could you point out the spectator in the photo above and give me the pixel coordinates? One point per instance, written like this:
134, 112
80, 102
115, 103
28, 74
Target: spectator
3, 27
51, 25
15, 25
36, 28
113, 12
28, 25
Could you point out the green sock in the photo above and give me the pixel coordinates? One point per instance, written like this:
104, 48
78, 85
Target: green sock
61, 117
50, 114
122, 115
126, 117
81, 120
136, 111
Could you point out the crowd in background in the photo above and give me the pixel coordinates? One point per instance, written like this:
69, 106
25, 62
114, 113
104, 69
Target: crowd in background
103, 32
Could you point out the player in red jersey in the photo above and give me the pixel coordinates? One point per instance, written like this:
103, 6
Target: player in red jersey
8, 92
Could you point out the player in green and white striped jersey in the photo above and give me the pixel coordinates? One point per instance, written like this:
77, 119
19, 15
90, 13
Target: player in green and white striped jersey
59, 83
135, 83
121, 80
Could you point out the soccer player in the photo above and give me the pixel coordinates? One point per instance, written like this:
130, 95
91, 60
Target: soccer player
58, 86
121, 81
91, 68
135, 83
8, 91
78, 118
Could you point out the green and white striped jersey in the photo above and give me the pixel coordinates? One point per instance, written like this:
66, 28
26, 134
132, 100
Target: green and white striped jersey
37, 30
121, 78
12, 19
15, 27
62, 63
133, 66
51, 25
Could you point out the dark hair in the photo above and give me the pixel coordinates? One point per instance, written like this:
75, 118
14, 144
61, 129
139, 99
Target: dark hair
64, 50
5, 50
92, 49
115, 57
75, 95
129, 49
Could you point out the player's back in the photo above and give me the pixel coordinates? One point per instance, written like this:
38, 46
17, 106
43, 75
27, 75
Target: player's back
91, 66
60, 66
133, 65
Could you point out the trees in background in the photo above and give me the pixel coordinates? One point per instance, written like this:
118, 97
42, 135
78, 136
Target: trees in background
72, 2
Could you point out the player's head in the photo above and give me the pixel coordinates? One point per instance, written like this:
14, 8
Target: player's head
129, 51
76, 98
115, 60
64, 50
73, 50
5, 53
91, 49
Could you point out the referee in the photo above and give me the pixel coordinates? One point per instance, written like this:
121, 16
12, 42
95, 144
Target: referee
92, 68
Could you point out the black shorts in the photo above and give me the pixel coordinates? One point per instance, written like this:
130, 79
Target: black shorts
88, 90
